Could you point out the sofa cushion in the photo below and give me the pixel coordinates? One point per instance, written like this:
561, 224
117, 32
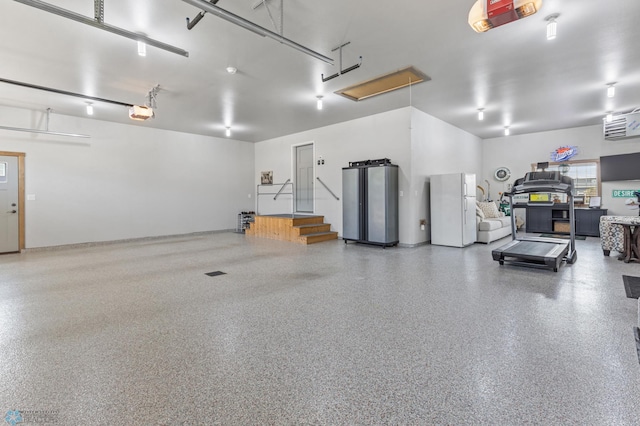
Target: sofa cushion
489, 209
496, 223
479, 212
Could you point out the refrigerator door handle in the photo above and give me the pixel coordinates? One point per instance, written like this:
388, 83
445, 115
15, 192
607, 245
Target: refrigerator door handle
464, 209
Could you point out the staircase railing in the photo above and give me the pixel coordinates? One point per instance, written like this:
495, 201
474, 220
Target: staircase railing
281, 188
327, 188
276, 194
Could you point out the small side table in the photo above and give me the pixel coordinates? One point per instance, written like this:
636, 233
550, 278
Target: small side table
631, 241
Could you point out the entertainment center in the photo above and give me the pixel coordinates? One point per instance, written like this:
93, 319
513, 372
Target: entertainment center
554, 219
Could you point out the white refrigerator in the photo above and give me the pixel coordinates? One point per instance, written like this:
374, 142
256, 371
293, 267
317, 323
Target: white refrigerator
453, 209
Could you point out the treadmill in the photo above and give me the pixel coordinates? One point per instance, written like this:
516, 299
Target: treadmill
539, 251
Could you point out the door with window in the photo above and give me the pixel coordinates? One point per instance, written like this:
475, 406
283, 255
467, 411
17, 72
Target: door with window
9, 217
304, 178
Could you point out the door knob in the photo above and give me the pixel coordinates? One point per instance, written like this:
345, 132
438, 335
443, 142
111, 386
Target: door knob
12, 211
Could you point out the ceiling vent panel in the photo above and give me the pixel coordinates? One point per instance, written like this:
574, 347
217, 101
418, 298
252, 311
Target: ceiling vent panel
624, 126
383, 84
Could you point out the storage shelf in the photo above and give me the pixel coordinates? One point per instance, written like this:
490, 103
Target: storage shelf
244, 221
543, 219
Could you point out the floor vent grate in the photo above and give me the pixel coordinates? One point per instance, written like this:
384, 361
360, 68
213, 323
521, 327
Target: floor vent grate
215, 273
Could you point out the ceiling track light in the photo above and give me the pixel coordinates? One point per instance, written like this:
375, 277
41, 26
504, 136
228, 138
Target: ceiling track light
611, 90
97, 22
319, 102
480, 114
248, 25
142, 48
552, 26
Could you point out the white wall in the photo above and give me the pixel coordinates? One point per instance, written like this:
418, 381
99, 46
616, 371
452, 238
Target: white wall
437, 148
383, 135
518, 152
125, 181
419, 144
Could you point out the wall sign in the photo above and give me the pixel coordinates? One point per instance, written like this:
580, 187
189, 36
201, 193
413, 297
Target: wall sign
624, 193
564, 153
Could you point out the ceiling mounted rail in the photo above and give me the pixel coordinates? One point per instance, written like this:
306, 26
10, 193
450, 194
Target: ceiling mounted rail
63, 92
98, 22
193, 22
46, 131
235, 19
341, 71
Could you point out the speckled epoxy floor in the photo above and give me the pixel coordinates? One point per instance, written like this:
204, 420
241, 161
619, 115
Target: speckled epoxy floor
328, 334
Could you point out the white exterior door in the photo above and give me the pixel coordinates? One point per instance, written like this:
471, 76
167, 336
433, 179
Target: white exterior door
304, 179
9, 222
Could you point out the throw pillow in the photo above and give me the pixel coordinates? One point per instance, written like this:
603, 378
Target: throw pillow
489, 209
479, 212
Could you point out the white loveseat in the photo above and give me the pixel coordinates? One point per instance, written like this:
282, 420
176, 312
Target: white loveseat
491, 224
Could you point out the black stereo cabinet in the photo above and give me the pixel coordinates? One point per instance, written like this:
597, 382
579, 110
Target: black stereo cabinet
554, 220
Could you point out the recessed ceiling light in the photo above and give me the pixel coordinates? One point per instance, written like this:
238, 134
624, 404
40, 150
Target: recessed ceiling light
507, 131
609, 116
552, 26
611, 90
232, 70
142, 48
319, 102
89, 108
228, 132
480, 114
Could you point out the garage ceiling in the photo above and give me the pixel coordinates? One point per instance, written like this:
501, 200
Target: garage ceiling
520, 79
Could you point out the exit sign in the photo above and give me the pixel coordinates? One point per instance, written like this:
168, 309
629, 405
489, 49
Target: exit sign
624, 193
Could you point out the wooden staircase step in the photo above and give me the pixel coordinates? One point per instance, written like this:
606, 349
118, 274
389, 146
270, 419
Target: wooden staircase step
299, 229
318, 237
312, 228
307, 220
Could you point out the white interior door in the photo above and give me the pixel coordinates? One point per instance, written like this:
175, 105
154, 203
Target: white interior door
9, 223
304, 178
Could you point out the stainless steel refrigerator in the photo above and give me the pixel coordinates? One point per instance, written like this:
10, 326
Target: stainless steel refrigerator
453, 209
370, 202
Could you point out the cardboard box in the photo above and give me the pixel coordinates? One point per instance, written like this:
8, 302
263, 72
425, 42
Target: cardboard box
562, 227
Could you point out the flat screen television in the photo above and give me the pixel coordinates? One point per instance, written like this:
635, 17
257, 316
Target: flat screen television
620, 167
